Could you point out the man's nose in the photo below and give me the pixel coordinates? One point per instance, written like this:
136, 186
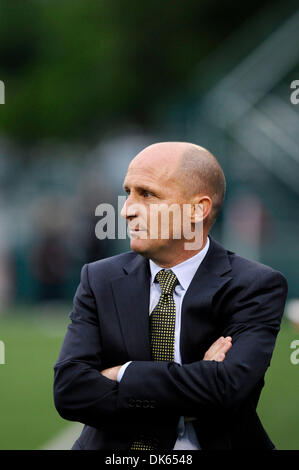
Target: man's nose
128, 209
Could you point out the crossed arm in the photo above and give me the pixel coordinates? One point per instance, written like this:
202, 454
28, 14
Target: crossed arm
216, 352
85, 392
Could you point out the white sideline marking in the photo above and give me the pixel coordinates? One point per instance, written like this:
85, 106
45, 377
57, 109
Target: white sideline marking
65, 439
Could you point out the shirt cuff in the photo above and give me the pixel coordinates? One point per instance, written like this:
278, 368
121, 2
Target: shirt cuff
122, 371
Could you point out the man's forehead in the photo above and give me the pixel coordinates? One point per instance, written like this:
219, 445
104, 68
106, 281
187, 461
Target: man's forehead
147, 174
154, 163
156, 178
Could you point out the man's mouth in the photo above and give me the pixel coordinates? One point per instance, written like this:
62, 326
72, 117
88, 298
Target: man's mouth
137, 231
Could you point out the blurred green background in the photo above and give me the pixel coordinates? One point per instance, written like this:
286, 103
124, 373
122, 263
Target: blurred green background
88, 84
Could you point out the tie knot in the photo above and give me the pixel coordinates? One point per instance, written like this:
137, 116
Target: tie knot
167, 281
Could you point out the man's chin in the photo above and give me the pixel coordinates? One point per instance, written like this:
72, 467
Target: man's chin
141, 247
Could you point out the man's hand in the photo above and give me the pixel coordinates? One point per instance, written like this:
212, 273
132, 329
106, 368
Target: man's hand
111, 373
218, 349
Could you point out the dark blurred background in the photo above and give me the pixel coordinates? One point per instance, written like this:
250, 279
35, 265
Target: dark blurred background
88, 84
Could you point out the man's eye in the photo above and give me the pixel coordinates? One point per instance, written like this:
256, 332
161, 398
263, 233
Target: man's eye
146, 194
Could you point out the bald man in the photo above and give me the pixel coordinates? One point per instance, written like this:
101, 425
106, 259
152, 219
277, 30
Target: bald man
169, 343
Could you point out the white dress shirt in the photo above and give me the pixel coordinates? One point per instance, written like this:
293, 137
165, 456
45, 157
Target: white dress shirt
185, 271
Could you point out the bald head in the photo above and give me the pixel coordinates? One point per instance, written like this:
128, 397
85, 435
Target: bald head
194, 167
164, 156
200, 173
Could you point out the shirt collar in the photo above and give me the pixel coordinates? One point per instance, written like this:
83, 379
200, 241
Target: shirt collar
184, 271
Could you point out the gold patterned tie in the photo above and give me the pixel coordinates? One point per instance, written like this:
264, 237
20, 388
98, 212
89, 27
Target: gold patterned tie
162, 328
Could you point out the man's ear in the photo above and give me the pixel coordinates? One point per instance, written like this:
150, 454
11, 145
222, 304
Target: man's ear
197, 213
201, 208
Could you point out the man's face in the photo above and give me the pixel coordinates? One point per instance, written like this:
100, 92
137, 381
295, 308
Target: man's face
152, 186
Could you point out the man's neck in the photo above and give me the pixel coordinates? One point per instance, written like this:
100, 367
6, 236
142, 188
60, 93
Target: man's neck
180, 257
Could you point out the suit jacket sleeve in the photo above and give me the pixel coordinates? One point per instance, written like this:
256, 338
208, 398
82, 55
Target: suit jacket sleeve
253, 321
81, 392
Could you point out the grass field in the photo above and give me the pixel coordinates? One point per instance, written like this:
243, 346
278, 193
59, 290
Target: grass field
279, 403
32, 342
33, 338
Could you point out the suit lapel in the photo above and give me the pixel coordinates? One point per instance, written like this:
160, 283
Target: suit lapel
197, 318
131, 294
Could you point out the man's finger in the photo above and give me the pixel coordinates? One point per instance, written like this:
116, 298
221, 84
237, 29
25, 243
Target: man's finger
215, 346
222, 345
218, 345
111, 372
220, 356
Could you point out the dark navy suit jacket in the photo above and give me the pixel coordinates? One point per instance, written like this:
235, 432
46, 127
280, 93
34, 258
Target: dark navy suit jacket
228, 295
